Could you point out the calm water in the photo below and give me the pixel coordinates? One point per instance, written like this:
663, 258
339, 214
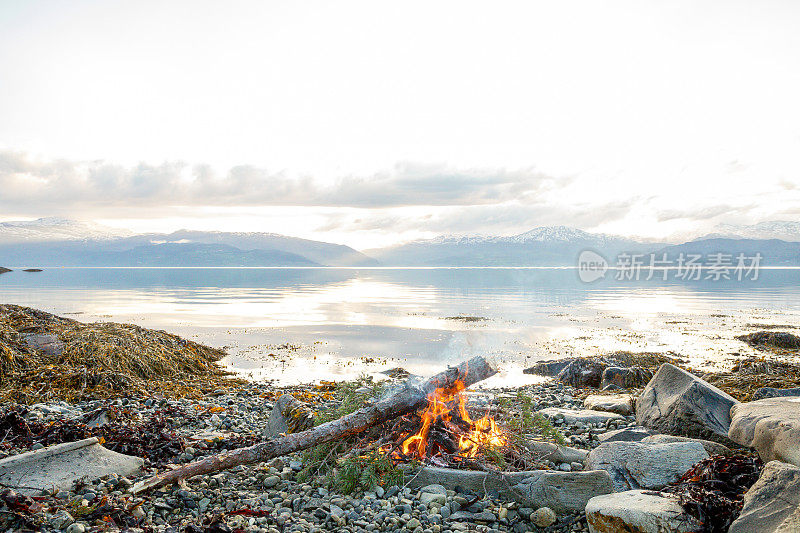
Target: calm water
327, 323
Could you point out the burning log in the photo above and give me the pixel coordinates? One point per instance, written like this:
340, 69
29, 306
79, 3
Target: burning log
409, 398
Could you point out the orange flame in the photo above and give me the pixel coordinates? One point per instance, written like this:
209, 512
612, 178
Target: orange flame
481, 433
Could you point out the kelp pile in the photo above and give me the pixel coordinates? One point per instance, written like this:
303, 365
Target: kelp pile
713, 490
44, 357
753, 373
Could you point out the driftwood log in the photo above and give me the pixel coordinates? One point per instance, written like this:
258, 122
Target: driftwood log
411, 397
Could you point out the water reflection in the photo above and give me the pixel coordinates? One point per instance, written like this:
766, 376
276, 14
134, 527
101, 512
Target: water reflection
339, 318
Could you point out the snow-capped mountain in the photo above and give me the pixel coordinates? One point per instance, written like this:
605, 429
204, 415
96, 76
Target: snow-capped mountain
774, 229
542, 246
562, 234
55, 229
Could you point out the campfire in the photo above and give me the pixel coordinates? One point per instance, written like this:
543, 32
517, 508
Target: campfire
444, 433
425, 422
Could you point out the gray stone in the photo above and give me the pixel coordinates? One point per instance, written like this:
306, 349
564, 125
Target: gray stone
679, 403
772, 505
625, 378
61, 519
634, 434
289, 415
584, 372
771, 426
543, 517
637, 511
548, 368
585, 416
547, 451
621, 404
561, 491
428, 498
713, 448
97, 418
271, 481
769, 392
59, 466
635, 465
46, 344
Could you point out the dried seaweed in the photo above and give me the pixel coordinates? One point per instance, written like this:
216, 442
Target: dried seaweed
753, 373
713, 490
153, 438
99, 360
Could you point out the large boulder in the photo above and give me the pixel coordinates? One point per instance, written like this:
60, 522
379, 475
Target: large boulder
713, 448
615, 377
585, 416
561, 491
622, 404
679, 403
772, 505
637, 511
636, 465
771, 426
769, 392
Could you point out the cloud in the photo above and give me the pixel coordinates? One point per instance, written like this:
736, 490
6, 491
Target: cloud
28, 184
701, 212
496, 219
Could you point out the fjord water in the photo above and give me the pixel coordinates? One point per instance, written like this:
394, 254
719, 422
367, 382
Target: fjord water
302, 324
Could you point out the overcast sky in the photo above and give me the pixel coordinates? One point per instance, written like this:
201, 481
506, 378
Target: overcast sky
371, 122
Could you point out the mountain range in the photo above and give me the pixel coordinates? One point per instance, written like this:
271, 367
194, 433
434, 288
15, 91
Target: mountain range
50, 242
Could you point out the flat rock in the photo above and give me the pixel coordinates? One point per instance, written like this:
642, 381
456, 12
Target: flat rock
622, 404
638, 511
625, 378
770, 392
561, 491
57, 467
634, 434
711, 447
772, 505
547, 451
771, 426
679, 403
586, 416
635, 465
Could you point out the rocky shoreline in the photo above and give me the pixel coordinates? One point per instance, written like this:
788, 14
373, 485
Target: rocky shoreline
622, 443
273, 498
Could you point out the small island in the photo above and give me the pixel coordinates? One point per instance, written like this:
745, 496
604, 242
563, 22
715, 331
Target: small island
3, 270
32, 270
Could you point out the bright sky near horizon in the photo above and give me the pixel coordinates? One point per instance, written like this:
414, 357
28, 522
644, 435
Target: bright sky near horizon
369, 122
